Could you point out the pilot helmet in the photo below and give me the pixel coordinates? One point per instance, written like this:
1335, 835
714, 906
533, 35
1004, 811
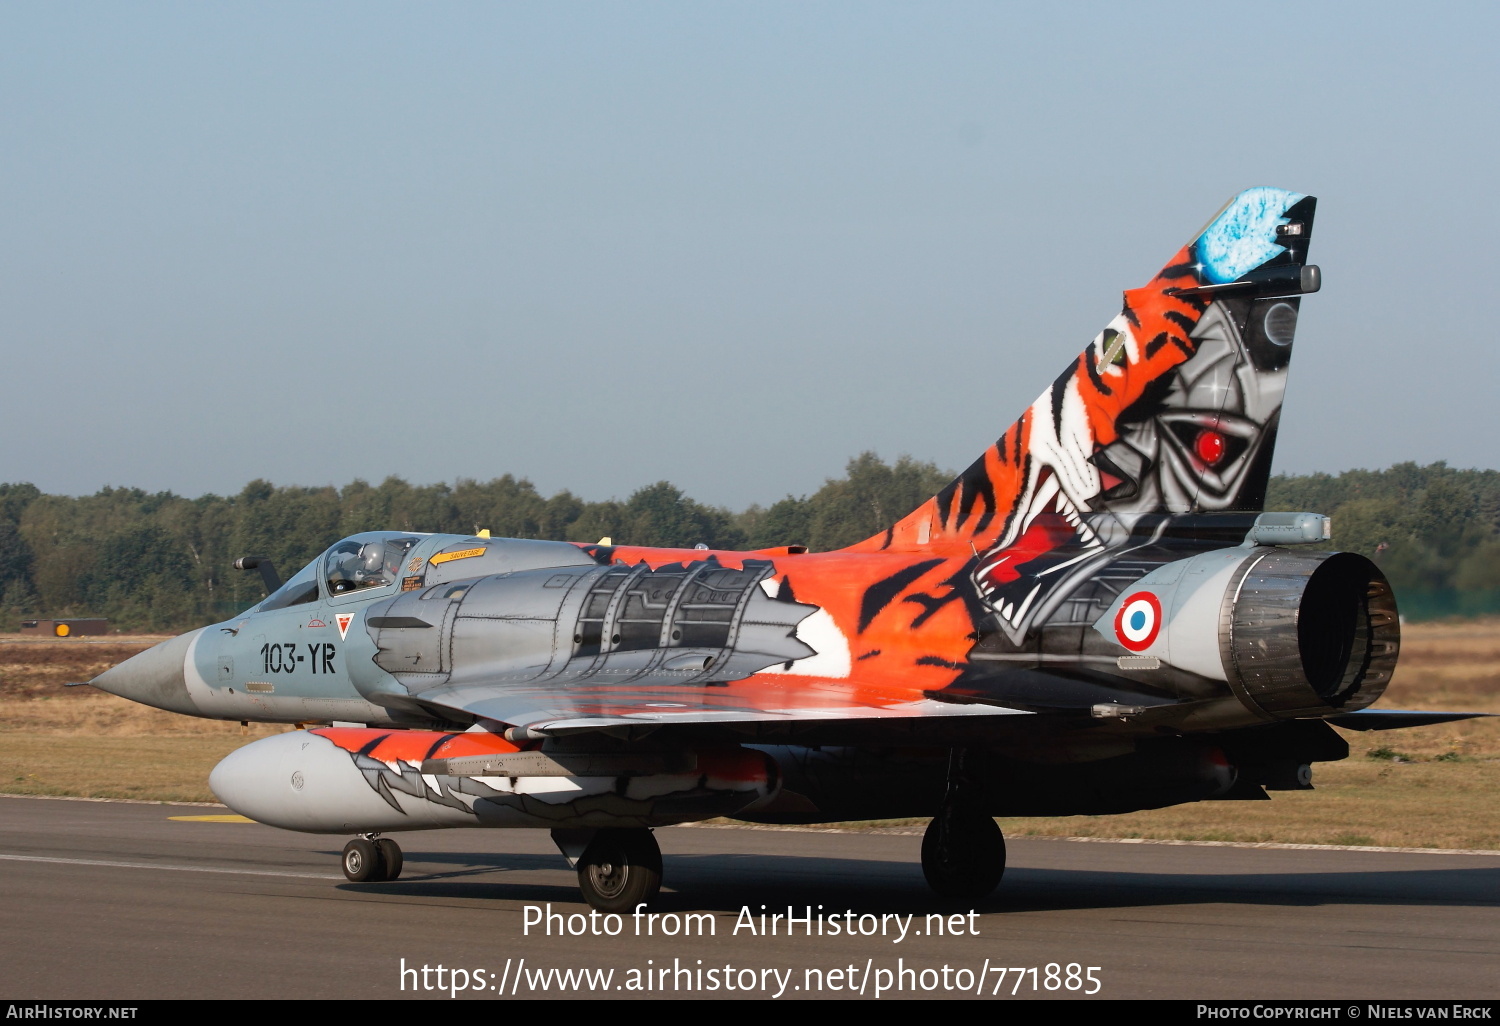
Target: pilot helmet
370, 560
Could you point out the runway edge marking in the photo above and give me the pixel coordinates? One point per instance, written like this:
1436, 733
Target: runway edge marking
897, 832
1280, 845
1283, 845
112, 801
168, 866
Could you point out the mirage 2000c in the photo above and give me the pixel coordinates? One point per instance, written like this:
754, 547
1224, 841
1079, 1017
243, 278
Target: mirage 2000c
1095, 617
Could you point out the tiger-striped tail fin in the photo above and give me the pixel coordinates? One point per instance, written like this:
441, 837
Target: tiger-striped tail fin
1173, 407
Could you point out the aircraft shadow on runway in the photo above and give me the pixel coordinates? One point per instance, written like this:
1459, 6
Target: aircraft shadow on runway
725, 882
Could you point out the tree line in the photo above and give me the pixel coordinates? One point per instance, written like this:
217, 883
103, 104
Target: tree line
161, 561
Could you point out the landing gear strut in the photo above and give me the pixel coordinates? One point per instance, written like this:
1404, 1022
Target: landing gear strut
370, 859
618, 869
963, 850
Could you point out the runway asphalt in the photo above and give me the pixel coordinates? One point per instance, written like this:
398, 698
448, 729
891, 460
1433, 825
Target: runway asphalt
120, 901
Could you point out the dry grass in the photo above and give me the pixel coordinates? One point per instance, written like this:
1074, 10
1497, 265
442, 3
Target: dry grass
1448, 666
1359, 801
36, 669
1431, 787
1427, 787
83, 742
163, 769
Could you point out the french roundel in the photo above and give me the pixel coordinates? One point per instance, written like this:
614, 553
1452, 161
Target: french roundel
1138, 621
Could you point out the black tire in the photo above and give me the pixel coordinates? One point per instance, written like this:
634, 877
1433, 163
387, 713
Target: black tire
362, 861
963, 855
620, 869
390, 857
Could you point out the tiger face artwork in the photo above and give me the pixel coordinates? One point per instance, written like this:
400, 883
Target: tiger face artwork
1172, 408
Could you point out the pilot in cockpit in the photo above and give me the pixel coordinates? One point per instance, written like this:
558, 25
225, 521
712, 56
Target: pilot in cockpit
352, 565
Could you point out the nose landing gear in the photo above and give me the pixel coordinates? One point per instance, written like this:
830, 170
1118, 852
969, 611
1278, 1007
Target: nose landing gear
370, 858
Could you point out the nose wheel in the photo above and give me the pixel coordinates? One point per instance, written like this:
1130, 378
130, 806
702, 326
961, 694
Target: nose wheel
620, 869
369, 859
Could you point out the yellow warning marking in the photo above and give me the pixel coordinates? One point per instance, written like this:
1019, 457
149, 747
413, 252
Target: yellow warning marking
211, 819
444, 557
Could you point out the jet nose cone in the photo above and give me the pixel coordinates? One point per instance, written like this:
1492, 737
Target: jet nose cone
154, 677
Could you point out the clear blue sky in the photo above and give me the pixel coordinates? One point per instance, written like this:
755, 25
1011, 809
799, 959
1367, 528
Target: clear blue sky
729, 245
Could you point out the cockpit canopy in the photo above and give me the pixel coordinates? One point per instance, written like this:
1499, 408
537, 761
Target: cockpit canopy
370, 560
363, 564
357, 563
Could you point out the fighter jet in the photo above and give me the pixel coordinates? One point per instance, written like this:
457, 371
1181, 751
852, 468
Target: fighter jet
1096, 616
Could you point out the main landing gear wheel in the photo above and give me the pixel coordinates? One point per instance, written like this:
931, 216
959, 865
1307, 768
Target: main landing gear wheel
390, 856
371, 861
963, 855
620, 869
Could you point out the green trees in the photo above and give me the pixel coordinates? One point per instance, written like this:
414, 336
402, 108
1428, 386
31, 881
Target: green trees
1434, 530
144, 575
15, 566
161, 561
869, 498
